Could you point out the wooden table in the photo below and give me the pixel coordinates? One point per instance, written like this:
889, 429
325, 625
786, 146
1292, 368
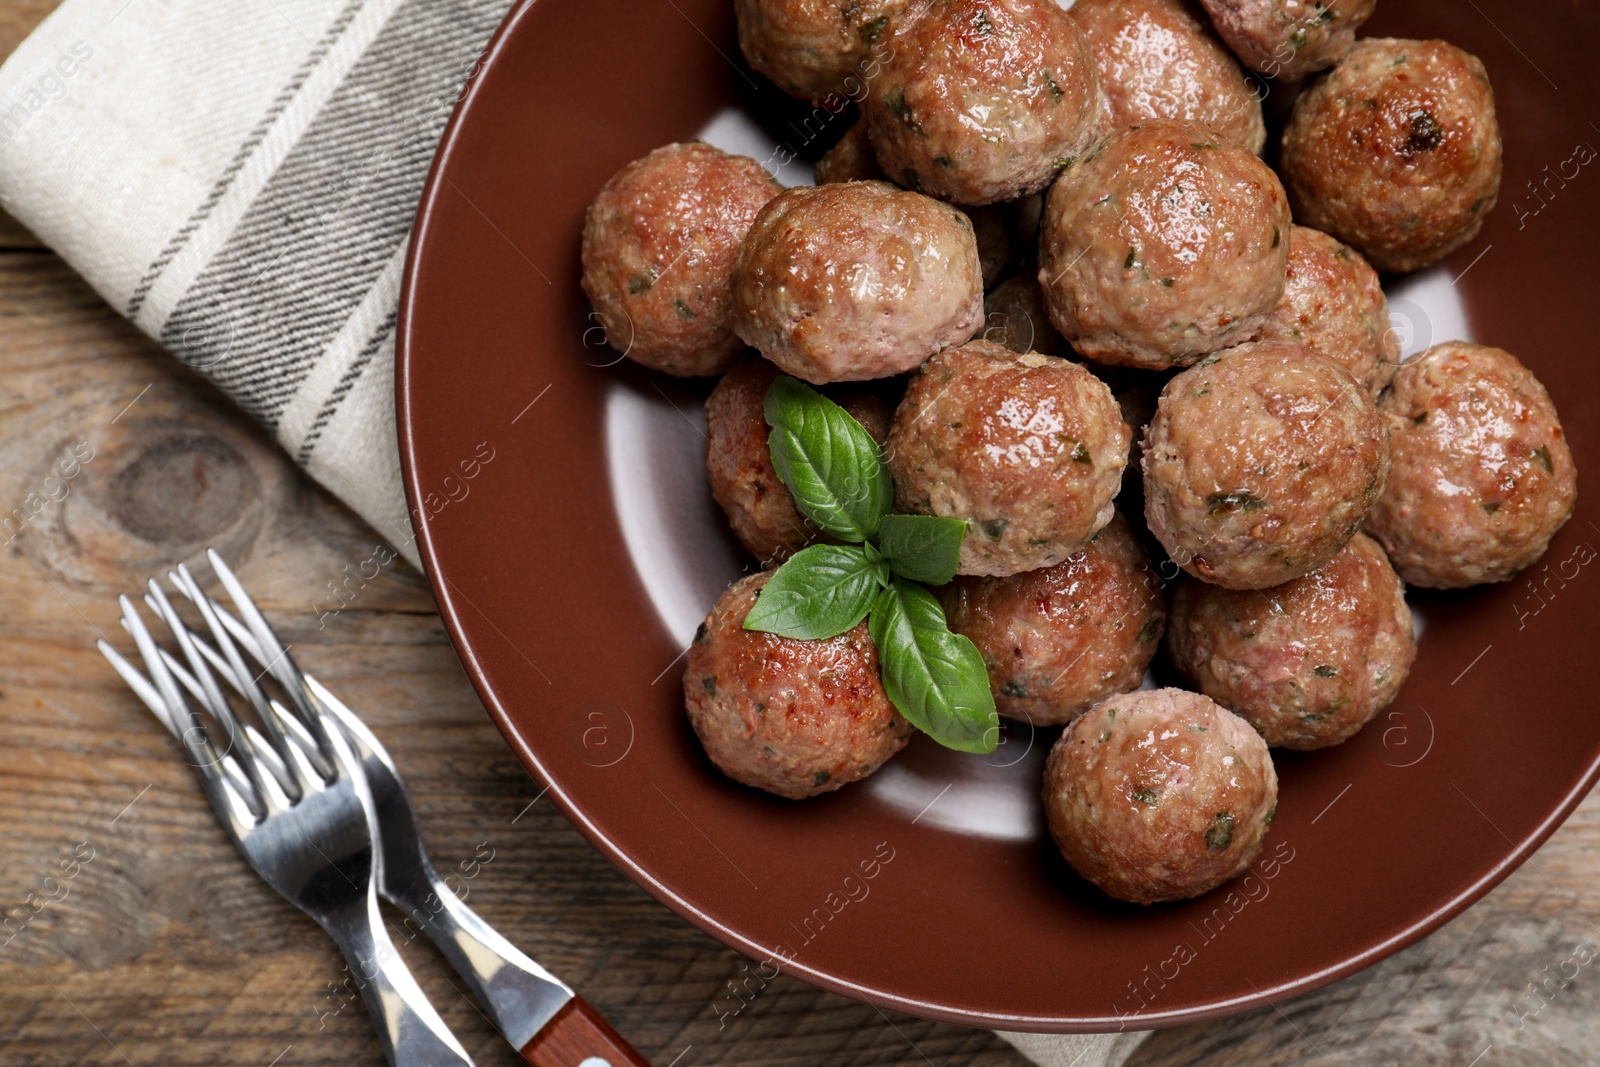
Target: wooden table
165, 949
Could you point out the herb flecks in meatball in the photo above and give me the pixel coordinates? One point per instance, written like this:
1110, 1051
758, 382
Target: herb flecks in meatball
1289, 39
659, 244
1159, 795
1308, 662
1028, 449
1156, 60
979, 99
813, 49
1059, 639
795, 718
1261, 464
1163, 244
855, 281
1483, 477
1396, 152
1333, 304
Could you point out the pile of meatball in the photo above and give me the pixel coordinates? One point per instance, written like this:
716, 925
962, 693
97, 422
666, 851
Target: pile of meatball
1050, 273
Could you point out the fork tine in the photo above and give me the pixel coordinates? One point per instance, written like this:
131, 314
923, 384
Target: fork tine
279, 664
148, 693
241, 811
303, 744
285, 779
238, 743
246, 683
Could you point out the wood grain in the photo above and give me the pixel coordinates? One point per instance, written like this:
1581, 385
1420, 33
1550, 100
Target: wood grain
138, 936
579, 1037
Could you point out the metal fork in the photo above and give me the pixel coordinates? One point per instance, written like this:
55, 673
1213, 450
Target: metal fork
302, 817
518, 994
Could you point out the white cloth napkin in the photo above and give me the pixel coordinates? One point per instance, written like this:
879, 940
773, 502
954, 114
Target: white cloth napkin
238, 177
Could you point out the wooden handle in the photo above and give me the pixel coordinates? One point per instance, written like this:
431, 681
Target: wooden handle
579, 1037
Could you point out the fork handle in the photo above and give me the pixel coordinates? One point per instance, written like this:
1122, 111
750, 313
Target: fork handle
411, 1031
579, 1037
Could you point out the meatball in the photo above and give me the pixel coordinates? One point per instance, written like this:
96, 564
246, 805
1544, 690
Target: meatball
1261, 464
812, 48
659, 243
1156, 60
855, 281
1333, 304
1308, 662
739, 462
851, 159
1482, 478
795, 718
1159, 795
978, 100
1028, 449
1059, 639
1015, 318
1164, 243
1396, 152
1289, 38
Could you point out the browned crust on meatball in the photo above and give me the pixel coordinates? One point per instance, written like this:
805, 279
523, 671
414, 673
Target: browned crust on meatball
1483, 476
1164, 243
1159, 795
659, 244
1157, 60
1309, 662
1028, 449
1059, 639
759, 506
1396, 152
1289, 39
812, 48
1260, 466
978, 99
1333, 303
856, 281
795, 718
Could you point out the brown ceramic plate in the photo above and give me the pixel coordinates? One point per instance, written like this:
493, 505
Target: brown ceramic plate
573, 546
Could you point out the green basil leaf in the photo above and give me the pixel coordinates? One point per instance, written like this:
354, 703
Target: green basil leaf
935, 678
828, 460
820, 592
924, 548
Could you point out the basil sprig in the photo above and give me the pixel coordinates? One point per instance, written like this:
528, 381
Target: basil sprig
834, 469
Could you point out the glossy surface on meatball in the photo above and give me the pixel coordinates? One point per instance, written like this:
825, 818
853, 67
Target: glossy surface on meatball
1260, 466
1333, 304
1308, 662
1059, 639
1396, 152
855, 281
812, 48
795, 718
1028, 449
659, 244
1289, 38
1482, 477
1157, 60
1162, 244
759, 506
1159, 795
979, 99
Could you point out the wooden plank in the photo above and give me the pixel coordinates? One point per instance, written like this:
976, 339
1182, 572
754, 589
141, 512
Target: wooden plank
164, 943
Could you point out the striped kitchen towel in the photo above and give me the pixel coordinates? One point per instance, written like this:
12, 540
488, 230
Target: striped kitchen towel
239, 177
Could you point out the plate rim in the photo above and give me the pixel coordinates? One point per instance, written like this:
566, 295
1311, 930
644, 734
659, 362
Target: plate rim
405, 404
